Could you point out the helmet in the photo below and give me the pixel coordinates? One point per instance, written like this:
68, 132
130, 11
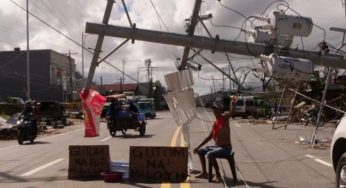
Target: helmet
27, 103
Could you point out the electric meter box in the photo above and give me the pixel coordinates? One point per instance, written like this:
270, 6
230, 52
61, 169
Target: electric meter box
289, 68
292, 25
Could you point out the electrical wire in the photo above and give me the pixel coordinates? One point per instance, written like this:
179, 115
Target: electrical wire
242, 15
233, 10
217, 25
44, 22
159, 16
23, 78
209, 79
160, 20
12, 31
49, 11
337, 50
270, 4
246, 43
2, 65
57, 7
242, 26
70, 39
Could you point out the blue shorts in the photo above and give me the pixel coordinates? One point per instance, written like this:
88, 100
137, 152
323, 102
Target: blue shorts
215, 151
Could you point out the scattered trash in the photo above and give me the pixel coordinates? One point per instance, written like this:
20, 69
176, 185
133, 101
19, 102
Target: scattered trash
324, 141
9, 124
2, 120
13, 119
301, 139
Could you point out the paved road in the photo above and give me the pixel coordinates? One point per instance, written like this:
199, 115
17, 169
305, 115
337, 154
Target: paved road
265, 157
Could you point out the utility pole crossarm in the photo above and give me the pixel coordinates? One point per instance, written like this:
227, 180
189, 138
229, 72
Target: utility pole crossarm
217, 45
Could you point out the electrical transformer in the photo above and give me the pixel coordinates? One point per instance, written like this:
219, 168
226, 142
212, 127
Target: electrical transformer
287, 67
291, 25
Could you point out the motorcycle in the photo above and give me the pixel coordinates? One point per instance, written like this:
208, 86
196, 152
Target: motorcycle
25, 129
311, 117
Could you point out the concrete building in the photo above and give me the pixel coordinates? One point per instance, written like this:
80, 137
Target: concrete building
51, 75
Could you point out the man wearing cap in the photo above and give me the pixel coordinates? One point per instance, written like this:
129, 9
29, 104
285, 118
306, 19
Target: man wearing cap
221, 135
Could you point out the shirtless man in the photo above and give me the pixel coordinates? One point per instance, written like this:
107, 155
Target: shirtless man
221, 135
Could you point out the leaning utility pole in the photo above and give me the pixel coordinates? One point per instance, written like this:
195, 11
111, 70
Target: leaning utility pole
212, 44
83, 38
191, 30
94, 62
199, 42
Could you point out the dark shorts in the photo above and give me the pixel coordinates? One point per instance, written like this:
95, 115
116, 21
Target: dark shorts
215, 151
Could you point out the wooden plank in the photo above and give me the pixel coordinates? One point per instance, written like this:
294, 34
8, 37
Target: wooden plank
158, 164
87, 162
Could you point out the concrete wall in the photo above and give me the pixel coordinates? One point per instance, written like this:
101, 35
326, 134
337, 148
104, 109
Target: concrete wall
13, 74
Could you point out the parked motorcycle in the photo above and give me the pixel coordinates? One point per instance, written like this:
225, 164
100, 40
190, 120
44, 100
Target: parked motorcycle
25, 129
311, 117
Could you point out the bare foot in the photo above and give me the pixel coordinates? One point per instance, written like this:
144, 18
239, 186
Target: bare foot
217, 179
203, 175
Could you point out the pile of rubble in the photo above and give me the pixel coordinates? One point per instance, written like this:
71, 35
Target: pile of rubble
8, 128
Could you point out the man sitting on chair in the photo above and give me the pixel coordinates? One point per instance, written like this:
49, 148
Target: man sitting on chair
221, 135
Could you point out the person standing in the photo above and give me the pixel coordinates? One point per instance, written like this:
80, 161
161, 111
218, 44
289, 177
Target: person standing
221, 135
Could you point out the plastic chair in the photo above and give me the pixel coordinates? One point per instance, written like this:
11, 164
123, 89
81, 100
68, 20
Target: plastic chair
230, 159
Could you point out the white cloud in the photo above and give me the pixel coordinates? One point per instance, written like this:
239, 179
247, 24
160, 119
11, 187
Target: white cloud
70, 17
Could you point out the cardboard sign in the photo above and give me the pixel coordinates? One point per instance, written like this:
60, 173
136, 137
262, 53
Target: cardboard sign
158, 164
87, 162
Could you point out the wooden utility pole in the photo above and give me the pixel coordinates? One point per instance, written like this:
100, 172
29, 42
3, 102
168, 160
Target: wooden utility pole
94, 62
28, 91
212, 44
199, 42
191, 30
149, 68
121, 85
